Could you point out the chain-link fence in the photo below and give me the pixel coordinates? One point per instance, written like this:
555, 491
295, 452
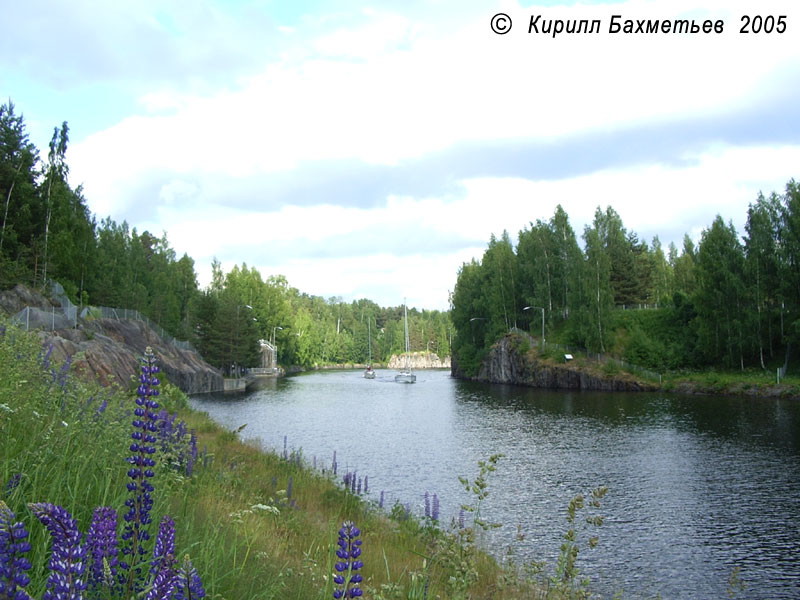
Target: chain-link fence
66, 316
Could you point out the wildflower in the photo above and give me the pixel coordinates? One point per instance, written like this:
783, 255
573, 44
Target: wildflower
46, 358
165, 545
366, 484
164, 582
101, 542
12, 483
427, 504
347, 578
189, 586
192, 454
144, 437
435, 508
13, 564
380, 502
68, 553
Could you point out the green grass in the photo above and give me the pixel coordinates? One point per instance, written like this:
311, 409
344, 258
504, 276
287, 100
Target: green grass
244, 537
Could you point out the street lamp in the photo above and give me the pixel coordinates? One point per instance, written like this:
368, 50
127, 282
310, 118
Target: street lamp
473, 330
236, 365
541, 309
274, 347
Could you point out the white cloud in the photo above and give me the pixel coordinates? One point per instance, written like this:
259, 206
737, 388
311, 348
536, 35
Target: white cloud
390, 88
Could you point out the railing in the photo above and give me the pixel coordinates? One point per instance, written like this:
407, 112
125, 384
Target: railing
66, 316
106, 312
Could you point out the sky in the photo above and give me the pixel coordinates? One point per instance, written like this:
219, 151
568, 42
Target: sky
369, 149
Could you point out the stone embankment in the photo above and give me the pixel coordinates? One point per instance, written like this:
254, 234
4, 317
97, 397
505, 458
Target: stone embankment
108, 350
419, 360
508, 363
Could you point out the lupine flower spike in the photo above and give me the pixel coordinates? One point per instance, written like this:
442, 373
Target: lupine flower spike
347, 577
189, 585
140, 502
164, 550
67, 559
13, 545
101, 543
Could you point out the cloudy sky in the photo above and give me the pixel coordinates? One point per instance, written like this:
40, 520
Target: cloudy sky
368, 149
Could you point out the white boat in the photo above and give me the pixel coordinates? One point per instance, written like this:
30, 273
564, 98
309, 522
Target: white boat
406, 376
369, 372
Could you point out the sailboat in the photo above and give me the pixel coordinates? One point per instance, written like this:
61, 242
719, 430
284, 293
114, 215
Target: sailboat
369, 372
406, 376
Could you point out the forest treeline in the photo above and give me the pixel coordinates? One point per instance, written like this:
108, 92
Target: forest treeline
49, 233
733, 301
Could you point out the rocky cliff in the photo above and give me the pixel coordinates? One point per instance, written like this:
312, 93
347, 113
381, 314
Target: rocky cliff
419, 360
108, 350
508, 362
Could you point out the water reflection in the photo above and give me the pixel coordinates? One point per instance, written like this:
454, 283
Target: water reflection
698, 485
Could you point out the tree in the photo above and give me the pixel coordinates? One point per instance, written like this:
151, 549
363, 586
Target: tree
761, 267
18, 160
598, 291
720, 296
55, 174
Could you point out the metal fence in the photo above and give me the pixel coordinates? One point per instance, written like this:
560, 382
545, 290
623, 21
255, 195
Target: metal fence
66, 316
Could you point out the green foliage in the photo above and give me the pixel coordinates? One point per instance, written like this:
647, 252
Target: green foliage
721, 303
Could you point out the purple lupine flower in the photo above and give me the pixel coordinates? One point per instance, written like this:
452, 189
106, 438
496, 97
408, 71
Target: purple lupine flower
192, 454
461, 519
353, 483
102, 408
46, 358
435, 508
346, 577
12, 483
189, 586
164, 550
289, 488
164, 583
334, 466
140, 502
427, 504
346, 478
366, 484
67, 557
380, 502
63, 374
358, 487
13, 545
101, 543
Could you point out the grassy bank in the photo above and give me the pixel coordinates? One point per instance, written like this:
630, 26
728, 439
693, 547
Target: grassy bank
254, 524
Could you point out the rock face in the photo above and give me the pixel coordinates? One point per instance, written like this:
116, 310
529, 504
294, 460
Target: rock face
505, 363
108, 350
419, 360
14, 300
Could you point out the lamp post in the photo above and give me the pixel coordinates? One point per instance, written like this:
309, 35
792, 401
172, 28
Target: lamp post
541, 309
476, 319
236, 366
275, 348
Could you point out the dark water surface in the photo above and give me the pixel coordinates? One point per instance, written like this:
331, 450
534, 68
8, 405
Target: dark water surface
697, 485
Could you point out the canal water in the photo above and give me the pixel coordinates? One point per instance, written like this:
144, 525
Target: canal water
698, 487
